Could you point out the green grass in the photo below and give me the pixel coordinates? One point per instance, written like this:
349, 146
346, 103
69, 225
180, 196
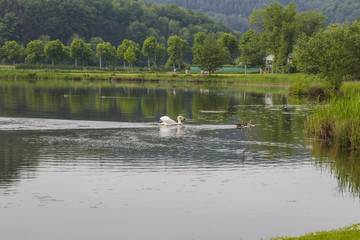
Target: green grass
263, 79
338, 121
348, 233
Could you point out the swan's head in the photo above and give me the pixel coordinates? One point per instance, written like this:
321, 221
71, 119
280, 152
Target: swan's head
181, 119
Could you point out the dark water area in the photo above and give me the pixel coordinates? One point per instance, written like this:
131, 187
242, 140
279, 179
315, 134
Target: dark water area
92, 162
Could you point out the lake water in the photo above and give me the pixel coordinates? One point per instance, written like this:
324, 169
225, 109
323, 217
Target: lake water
92, 162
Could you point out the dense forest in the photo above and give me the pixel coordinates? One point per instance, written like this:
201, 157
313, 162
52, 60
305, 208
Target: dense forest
112, 20
234, 13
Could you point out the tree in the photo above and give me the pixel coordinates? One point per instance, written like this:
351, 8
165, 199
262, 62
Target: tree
130, 56
149, 49
199, 39
56, 51
311, 22
124, 47
11, 27
159, 54
87, 54
94, 41
279, 30
13, 51
230, 42
333, 53
106, 51
211, 55
35, 51
78, 50
177, 49
252, 51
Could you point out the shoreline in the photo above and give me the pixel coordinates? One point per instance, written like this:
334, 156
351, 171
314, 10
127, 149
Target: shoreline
283, 80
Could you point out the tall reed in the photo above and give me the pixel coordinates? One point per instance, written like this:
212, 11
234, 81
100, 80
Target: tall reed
337, 122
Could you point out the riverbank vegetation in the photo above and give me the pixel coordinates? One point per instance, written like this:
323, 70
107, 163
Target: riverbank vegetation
337, 122
137, 76
348, 233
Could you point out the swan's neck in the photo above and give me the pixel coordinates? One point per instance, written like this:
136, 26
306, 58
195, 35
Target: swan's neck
179, 120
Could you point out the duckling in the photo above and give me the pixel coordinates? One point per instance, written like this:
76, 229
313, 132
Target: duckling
243, 125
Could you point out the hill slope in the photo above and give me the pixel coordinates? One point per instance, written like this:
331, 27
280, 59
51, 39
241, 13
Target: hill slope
234, 13
113, 21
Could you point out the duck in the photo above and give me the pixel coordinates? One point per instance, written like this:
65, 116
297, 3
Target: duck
165, 120
243, 125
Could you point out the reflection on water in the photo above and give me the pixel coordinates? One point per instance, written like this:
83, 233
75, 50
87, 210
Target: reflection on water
344, 164
87, 167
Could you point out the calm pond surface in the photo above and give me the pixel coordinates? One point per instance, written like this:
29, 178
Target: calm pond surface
92, 162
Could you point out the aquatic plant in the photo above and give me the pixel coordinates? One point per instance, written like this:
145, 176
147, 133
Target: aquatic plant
337, 122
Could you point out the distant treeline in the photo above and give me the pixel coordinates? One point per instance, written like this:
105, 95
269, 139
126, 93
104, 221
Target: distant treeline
112, 20
234, 13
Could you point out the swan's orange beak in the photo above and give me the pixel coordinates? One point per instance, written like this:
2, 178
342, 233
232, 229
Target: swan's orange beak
184, 120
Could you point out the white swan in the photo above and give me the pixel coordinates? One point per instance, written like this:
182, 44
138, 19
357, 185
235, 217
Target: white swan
165, 120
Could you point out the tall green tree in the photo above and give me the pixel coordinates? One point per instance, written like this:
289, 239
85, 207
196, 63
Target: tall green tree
55, 51
124, 47
211, 55
94, 41
230, 42
78, 50
279, 30
177, 48
11, 27
333, 53
252, 51
199, 39
159, 54
105, 51
87, 55
35, 51
130, 56
311, 22
149, 49
12, 50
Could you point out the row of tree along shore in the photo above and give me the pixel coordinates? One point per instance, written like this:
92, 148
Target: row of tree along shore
296, 42
208, 52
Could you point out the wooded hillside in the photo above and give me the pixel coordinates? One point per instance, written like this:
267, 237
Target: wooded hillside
113, 21
234, 13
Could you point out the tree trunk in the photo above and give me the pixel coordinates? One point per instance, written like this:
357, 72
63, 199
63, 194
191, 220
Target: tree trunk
53, 62
179, 65
100, 61
75, 62
13, 63
148, 63
124, 66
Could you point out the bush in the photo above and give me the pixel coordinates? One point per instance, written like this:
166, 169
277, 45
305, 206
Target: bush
298, 89
317, 93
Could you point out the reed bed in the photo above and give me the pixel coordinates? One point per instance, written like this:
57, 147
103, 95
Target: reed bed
338, 121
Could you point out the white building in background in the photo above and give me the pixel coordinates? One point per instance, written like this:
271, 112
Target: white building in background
269, 60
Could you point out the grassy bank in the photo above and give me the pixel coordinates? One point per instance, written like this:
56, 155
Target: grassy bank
264, 79
337, 122
348, 233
